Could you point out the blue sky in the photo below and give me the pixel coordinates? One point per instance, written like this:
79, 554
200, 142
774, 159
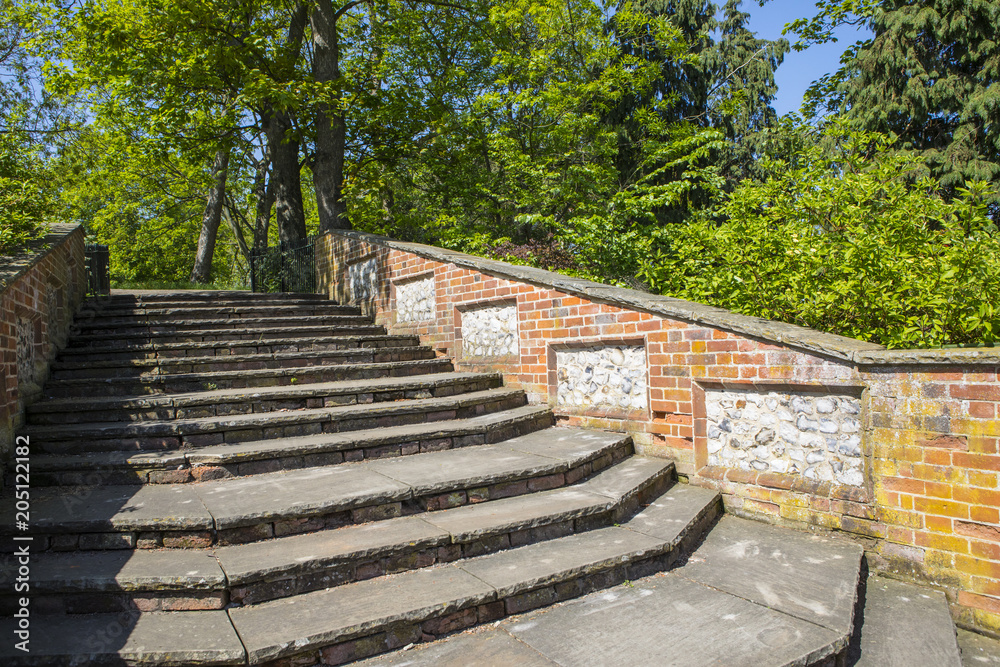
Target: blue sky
803, 67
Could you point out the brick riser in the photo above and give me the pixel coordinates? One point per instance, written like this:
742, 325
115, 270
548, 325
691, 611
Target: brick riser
324, 520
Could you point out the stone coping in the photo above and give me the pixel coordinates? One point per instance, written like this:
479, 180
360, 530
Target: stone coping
14, 266
831, 345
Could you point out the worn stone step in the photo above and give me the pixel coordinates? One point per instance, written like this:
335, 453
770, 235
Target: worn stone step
235, 511
163, 580
781, 598
98, 582
153, 350
194, 382
297, 564
905, 624
223, 402
234, 428
254, 457
176, 326
381, 614
88, 368
189, 296
156, 313
129, 341
184, 639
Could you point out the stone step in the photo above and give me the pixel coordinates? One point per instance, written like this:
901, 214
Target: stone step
384, 613
87, 368
154, 350
129, 341
194, 382
254, 457
222, 402
166, 580
237, 428
155, 313
905, 624
188, 296
247, 509
203, 638
176, 326
751, 594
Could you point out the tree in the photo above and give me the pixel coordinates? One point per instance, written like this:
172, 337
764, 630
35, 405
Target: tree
930, 75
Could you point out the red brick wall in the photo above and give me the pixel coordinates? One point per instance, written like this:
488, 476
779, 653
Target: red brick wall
928, 507
40, 288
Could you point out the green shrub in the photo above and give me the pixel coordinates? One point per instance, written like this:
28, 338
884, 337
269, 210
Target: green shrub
849, 242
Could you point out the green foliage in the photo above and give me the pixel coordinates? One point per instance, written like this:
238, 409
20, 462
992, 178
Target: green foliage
25, 192
846, 242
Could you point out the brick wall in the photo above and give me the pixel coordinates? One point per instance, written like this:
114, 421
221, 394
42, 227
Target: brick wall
897, 448
40, 290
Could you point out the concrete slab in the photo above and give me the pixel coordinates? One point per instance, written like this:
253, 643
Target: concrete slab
668, 620
248, 500
668, 517
102, 508
559, 560
161, 638
176, 569
484, 647
283, 627
439, 472
906, 626
508, 514
624, 478
809, 576
978, 650
296, 554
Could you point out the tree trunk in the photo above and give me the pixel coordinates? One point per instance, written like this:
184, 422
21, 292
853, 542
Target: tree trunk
331, 129
285, 178
264, 194
202, 270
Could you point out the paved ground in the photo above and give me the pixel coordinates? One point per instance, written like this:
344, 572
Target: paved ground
977, 650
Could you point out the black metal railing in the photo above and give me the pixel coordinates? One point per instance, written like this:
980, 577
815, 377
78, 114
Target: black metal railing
285, 268
98, 261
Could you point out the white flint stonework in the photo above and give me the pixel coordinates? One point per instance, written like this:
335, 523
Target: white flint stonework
490, 332
415, 301
25, 349
815, 436
605, 377
363, 280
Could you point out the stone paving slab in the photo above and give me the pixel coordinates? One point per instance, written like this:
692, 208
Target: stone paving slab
484, 647
668, 516
188, 638
162, 570
86, 509
978, 650
296, 554
625, 475
156, 347
906, 626
806, 575
669, 620
297, 493
293, 625
554, 561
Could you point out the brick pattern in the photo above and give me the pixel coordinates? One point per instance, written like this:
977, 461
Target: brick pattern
928, 506
36, 313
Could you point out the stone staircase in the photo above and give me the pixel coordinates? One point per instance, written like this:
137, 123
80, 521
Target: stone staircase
229, 478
